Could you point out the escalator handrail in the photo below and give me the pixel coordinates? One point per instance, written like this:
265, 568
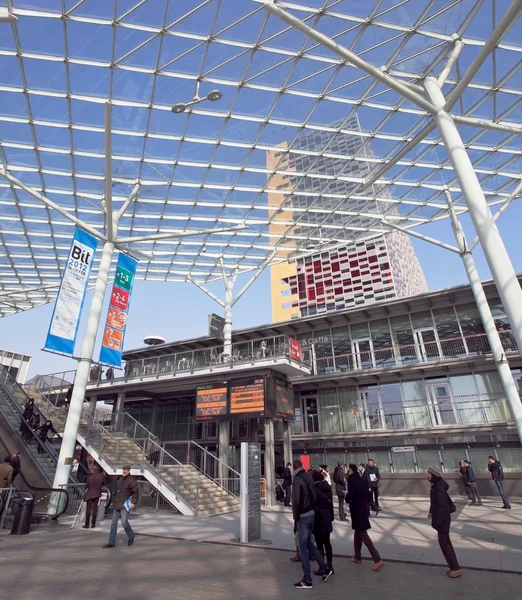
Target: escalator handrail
50, 490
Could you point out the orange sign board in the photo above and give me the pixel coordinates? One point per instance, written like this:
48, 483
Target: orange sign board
113, 339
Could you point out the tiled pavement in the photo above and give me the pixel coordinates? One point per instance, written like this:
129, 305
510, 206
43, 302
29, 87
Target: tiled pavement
57, 563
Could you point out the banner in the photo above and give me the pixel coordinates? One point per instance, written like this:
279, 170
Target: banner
114, 332
295, 349
216, 326
63, 329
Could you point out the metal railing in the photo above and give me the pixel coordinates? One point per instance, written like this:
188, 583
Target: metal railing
149, 499
112, 444
410, 354
223, 475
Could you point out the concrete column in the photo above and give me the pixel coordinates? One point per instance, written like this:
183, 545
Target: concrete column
154, 417
93, 401
270, 461
118, 408
253, 431
287, 442
224, 447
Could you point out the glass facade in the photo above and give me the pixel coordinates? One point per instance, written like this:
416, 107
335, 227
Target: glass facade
425, 336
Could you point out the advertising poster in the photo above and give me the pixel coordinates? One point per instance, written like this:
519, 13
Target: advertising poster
296, 351
63, 329
114, 332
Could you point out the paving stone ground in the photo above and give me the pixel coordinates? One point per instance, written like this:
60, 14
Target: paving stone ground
57, 563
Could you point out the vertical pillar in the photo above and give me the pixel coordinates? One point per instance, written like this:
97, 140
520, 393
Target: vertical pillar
154, 417
269, 461
253, 431
287, 442
504, 372
491, 241
68, 447
224, 447
229, 302
118, 409
93, 401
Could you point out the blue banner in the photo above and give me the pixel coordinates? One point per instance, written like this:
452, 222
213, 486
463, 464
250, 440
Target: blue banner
114, 332
63, 329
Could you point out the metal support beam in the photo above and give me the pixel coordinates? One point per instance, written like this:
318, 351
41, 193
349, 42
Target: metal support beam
455, 52
350, 57
512, 128
491, 241
207, 292
53, 205
420, 236
504, 371
177, 234
127, 202
500, 30
261, 268
516, 192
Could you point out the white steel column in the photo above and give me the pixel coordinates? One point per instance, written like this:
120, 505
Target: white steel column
68, 447
504, 372
224, 448
269, 462
287, 442
227, 330
491, 241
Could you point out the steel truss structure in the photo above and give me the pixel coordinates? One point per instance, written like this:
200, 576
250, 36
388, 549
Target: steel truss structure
148, 122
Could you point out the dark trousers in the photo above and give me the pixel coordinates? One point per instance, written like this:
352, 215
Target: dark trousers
449, 552
324, 546
305, 527
342, 511
41, 446
92, 508
473, 493
374, 498
500, 487
288, 493
360, 538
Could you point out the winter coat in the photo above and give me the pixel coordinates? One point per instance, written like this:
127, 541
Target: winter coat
324, 512
358, 498
339, 479
496, 471
93, 485
287, 476
127, 487
303, 493
464, 476
470, 474
372, 471
440, 506
44, 429
28, 410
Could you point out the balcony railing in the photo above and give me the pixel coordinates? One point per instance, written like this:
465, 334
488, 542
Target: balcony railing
411, 354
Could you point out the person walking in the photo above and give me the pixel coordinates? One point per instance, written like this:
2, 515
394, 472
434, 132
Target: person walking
497, 474
441, 507
464, 477
93, 490
373, 477
357, 497
6, 473
362, 469
473, 493
339, 479
304, 503
126, 490
287, 483
34, 424
43, 432
26, 417
324, 517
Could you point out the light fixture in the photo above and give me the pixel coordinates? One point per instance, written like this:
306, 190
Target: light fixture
212, 96
6, 16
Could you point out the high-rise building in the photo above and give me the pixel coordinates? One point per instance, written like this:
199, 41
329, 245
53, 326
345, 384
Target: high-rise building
342, 276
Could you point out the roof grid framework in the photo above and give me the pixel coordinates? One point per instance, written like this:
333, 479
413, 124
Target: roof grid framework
207, 168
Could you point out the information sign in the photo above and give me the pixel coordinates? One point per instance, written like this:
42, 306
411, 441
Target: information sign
211, 402
247, 396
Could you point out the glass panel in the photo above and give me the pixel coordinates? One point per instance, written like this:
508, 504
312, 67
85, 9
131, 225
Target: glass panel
350, 416
441, 399
403, 462
362, 354
356, 458
312, 417
479, 458
382, 460
402, 336
369, 404
427, 458
450, 338
472, 328
329, 411
391, 399
451, 459
511, 459
422, 320
492, 397
416, 411
427, 344
467, 402
382, 343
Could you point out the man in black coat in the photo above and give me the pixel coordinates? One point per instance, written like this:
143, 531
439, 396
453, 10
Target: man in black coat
469, 474
339, 479
304, 503
125, 500
497, 474
287, 483
357, 498
373, 477
93, 487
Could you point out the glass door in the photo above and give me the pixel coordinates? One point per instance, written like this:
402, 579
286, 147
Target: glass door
362, 352
427, 344
370, 407
441, 404
310, 414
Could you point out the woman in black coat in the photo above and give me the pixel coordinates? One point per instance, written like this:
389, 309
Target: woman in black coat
324, 516
441, 508
358, 497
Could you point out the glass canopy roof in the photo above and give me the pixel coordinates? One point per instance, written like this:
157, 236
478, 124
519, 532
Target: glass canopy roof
287, 146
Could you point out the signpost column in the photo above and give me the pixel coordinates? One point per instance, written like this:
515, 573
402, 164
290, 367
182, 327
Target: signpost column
269, 461
287, 442
250, 524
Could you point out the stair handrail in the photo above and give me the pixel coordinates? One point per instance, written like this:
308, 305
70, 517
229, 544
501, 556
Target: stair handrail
219, 481
219, 460
149, 447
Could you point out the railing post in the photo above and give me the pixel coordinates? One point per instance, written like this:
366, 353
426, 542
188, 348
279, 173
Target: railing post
197, 497
135, 426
